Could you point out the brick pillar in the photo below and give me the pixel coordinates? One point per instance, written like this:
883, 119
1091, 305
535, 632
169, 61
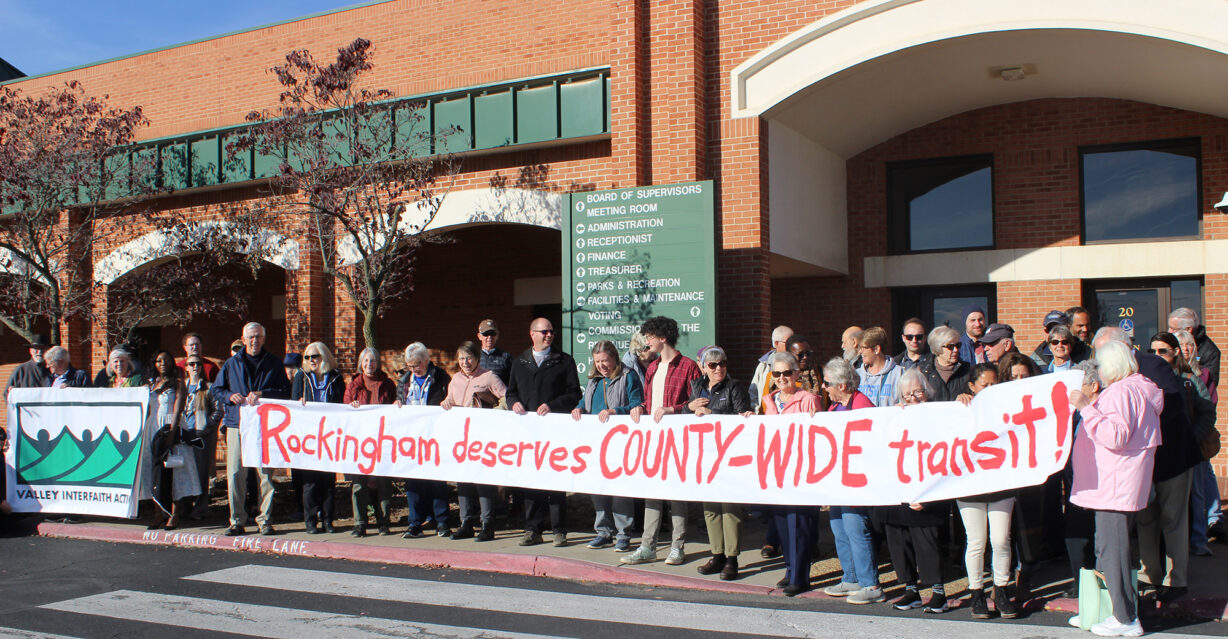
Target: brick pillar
630, 131
1215, 319
347, 330
677, 91
309, 301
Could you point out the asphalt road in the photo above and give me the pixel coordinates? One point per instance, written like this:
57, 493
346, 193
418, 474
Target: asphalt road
72, 588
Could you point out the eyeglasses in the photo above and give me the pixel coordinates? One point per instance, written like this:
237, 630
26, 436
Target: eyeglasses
1159, 351
865, 348
914, 338
783, 373
312, 357
715, 365
544, 331
953, 346
805, 354
917, 394
489, 333
1063, 342
825, 383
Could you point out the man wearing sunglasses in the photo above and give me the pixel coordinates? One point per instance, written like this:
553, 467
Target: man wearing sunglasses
494, 359
1074, 350
916, 351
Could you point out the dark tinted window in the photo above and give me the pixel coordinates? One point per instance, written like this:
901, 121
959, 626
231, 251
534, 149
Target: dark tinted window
1141, 192
941, 204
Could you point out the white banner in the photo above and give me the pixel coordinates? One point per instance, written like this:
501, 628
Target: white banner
1012, 435
76, 450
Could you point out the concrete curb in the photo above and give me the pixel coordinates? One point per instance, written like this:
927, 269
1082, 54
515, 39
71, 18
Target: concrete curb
505, 563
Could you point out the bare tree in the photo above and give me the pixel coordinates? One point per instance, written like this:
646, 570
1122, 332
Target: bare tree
66, 165
365, 170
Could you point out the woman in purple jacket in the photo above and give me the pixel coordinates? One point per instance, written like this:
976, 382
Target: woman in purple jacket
1113, 458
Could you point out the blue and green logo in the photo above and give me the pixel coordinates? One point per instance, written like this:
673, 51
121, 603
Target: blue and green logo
89, 460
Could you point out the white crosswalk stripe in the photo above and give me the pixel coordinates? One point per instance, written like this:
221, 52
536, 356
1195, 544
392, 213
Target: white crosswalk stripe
18, 633
273, 621
255, 620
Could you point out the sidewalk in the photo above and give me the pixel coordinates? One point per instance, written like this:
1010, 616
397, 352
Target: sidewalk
1208, 586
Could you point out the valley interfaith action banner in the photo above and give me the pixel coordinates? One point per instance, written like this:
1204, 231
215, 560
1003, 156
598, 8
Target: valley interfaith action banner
76, 450
1012, 435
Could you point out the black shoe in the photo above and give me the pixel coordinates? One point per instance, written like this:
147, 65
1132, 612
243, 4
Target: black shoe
1002, 601
769, 551
359, 530
267, 530
937, 603
1023, 588
910, 600
443, 531
793, 590
980, 607
312, 530
782, 583
730, 571
715, 564
384, 531
486, 534
1071, 593
1165, 594
328, 527
235, 531
414, 532
464, 532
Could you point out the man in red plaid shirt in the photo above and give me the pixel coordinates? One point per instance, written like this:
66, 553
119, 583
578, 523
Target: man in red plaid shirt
666, 390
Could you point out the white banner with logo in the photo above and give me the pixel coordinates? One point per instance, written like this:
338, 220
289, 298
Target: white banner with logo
76, 450
1013, 435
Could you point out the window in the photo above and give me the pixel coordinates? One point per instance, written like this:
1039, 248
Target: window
1140, 307
1141, 191
939, 305
936, 205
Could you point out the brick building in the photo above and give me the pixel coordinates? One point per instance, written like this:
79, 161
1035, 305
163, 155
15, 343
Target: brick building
873, 160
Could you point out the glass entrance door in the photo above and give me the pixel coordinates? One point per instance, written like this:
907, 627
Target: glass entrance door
1135, 311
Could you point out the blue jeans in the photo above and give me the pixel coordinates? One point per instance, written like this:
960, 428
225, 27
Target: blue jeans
424, 494
854, 545
1204, 503
613, 513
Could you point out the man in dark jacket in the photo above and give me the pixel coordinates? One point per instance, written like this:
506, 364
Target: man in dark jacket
61, 373
494, 359
544, 380
1186, 319
972, 349
916, 350
33, 372
1167, 517
252, 374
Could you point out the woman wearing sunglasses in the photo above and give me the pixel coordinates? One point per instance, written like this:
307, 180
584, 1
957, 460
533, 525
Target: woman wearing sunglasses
1061, 344
201, 415
718, 393
318, 381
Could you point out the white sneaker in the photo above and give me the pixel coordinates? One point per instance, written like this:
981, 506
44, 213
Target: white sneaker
1074, 622
1111, 627
676, 557
867, 595
641, 556
842, 589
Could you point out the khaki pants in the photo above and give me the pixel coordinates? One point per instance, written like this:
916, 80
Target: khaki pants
652, 522
723, 522
236, 484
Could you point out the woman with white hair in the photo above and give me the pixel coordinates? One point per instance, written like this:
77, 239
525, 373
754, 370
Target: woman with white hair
318, 380
370, 386
912, 529
851, 524
1113, 459
796, 524
424, 384
121, 372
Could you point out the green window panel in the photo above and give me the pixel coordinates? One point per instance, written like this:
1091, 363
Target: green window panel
451, 125
336, 145
375, 133
206, 161
492, 120
175, 166
413, 130
537, 114
236, 166
116, 174
265, 165
145, 168
582, 107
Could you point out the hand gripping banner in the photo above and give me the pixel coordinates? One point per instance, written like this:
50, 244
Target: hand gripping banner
1012, 435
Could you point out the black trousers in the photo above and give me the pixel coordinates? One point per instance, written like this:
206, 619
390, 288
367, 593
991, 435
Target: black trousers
914, 549
798, 529
537, 503
318, 494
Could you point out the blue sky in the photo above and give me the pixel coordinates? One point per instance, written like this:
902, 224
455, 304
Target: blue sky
39, 36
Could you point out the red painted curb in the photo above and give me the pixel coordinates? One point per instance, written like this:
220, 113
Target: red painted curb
505, 563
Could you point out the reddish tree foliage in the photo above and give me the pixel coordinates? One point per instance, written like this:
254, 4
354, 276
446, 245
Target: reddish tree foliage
64, 166
364, 170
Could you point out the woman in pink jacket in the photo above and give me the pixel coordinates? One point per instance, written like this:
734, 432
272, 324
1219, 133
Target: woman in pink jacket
797, 524
1113, 457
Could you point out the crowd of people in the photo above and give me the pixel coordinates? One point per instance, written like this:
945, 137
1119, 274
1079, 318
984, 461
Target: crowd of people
1139, 469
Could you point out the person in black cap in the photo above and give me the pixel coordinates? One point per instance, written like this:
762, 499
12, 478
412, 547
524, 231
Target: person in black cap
999, 339
292, 362
1043, 354
32, 373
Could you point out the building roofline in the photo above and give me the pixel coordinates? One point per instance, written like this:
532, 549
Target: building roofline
318, 14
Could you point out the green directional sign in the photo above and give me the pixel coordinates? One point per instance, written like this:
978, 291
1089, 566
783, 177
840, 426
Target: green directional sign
630, 254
